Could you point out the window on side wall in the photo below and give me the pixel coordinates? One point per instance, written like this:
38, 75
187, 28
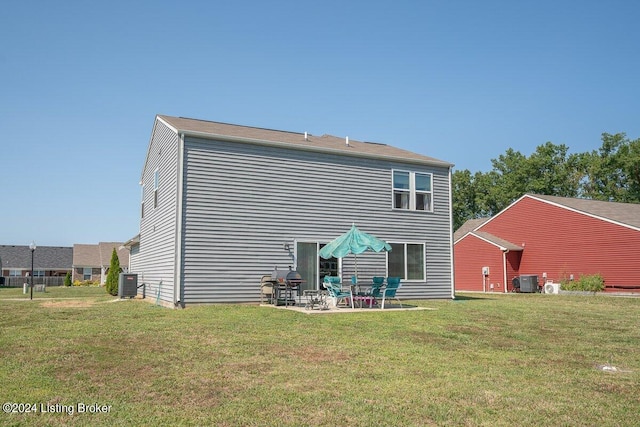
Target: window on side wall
406, 260
412, 191
142, 201
156, 182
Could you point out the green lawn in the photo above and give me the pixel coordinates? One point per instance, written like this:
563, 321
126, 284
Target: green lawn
498, 360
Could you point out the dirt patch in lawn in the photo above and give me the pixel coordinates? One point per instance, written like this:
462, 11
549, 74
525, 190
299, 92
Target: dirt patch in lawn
68, 304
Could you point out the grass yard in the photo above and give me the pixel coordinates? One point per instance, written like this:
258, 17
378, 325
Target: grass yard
498, 360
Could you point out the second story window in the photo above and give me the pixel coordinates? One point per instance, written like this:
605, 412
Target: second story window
156, 182
412, 191
142, 201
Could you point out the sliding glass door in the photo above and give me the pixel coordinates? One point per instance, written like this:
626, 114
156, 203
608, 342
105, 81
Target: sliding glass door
311, 267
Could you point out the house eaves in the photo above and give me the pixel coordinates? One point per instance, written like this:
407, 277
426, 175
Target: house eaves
469, 226
502, 244
293, 140
135, 240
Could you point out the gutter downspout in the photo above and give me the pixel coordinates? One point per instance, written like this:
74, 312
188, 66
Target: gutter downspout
504, 268
177, 268
453, 281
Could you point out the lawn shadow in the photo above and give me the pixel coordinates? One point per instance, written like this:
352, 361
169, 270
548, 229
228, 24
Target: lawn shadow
467, 297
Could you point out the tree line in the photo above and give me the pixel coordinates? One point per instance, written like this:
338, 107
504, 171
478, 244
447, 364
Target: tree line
610, 173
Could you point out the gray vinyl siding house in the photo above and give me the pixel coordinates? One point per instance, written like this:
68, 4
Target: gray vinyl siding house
222, 205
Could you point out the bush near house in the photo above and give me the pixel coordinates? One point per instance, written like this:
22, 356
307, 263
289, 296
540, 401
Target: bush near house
589, 283
113, 275
67, 279
85, 283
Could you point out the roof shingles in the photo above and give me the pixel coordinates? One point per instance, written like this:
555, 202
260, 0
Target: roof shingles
217, 130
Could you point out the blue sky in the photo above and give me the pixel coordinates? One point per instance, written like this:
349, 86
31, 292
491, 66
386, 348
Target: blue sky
462, 81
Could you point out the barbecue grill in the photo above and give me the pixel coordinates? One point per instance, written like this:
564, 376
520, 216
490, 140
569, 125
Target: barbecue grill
285, 284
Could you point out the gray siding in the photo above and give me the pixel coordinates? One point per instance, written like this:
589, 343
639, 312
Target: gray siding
155, 261
242, 202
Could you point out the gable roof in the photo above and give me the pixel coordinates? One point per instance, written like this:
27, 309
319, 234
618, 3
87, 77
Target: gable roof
324, 143
501, 243
468, 226
44, 257
99, 255
627, 214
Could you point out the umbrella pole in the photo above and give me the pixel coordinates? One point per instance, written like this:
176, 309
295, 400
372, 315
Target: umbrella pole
356, 263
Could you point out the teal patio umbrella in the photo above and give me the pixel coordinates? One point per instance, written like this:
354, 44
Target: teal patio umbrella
354, 242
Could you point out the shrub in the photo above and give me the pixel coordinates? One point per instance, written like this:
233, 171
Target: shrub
67, 279
114, 273
84, 283
589, 283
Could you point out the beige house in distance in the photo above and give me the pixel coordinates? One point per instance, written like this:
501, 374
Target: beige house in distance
91, 262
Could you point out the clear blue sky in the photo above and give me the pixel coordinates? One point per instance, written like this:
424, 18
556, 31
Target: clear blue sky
462, 81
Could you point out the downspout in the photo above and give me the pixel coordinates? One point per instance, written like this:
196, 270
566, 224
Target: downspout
177, 268
504, 268
453, 291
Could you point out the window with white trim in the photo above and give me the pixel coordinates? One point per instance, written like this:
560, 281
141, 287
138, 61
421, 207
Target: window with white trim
38, 273
412, 191
142, 201
406, 260
86, 273
156, 182
15, 273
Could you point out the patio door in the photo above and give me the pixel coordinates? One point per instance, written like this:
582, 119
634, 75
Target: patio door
311, 267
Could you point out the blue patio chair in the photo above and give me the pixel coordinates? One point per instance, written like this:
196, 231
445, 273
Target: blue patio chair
331, 280
376, 290
393, 284
334, 288
378, 282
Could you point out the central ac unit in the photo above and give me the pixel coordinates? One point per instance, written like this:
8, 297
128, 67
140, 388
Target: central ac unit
551, 288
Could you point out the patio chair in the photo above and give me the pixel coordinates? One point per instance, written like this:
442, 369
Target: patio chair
393, 284
334, 288
375, 293
267, 289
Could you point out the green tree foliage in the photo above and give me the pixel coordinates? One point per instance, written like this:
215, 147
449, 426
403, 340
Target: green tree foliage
611, 173
114, 274
67, 279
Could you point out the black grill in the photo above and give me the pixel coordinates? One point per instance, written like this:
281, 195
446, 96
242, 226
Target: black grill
286, 283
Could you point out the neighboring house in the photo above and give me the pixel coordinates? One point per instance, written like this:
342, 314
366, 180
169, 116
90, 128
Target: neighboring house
50, 264
554, 238
92, 262
223, 205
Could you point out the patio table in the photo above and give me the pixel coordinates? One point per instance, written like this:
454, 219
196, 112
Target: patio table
362, 294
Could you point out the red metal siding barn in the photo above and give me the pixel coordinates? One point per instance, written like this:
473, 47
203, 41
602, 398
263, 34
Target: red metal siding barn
558, 238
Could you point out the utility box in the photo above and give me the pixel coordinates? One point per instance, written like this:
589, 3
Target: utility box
127, 285
529, 284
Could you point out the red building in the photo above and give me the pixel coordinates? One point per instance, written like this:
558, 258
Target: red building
553, 238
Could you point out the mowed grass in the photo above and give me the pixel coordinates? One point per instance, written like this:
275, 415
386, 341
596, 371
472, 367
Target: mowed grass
498, 360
